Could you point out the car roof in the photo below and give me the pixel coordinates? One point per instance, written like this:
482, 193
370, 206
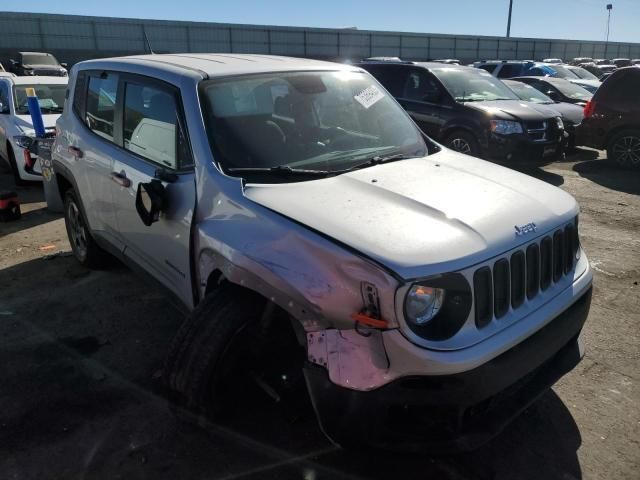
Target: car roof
426, 65
215, 64
39, 79
36, 53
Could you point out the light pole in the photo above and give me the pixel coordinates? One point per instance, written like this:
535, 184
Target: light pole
509, 20
606, 41
609, 8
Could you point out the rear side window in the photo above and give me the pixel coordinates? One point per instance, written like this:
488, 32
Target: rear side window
101, 104
510, 70
420, 87
4, 97
392, 77
488, 68
151, 124
79, 94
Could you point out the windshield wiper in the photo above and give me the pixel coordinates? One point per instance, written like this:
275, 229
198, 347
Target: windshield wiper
281, 170
377, 160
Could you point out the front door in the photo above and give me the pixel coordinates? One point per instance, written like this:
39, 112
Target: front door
155, 146
423, 99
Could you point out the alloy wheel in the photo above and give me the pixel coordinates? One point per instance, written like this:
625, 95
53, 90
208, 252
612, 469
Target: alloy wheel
77, 230
626, 151
460, 145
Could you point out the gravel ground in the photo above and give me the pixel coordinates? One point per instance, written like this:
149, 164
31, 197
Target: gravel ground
79, 351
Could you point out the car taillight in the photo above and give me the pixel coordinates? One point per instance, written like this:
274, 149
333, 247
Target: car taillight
589, 108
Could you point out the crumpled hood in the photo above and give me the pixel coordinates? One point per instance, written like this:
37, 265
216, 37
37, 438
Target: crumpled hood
513, 110
423, 216
24, 122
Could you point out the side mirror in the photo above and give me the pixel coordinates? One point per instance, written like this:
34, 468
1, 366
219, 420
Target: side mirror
64, 64
553, 95
150, 201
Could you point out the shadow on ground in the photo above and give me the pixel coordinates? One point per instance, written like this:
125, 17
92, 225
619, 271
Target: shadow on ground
78, 353
549, 177
609, 175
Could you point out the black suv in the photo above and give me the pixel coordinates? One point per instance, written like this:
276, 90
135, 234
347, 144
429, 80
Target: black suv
473, 112
38, 63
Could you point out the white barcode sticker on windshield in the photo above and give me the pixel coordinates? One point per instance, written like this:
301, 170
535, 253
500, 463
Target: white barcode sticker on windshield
369, 96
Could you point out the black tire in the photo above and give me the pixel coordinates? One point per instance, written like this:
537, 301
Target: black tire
624, 149
463, 142
211, 367
83, 245
14, 167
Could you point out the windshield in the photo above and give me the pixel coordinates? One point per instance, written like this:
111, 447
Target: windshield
527, 92
558, 71
50, 98
573, 91
326, 121
472, 85
583, 73
36, 59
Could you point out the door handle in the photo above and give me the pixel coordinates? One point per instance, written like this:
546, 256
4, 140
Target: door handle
75, 152
121, 179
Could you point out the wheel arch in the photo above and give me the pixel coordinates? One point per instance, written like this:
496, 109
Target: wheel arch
614, 131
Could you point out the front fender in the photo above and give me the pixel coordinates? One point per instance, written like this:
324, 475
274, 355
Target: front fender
317, 281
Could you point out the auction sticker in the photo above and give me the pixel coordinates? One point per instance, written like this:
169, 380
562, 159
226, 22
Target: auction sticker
369, 96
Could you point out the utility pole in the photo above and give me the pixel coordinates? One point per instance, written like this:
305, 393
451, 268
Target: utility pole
509, 20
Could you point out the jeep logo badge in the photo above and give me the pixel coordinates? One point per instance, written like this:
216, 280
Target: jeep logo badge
524, 229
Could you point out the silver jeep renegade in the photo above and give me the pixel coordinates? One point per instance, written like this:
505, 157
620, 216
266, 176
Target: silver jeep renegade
318, 238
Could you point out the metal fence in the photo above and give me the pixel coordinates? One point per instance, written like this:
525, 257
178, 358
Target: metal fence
73, 38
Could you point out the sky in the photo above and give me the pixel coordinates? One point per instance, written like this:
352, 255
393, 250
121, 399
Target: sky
565, 19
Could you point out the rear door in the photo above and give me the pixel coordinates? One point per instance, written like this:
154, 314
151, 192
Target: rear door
88, 143
425, 100
155, 146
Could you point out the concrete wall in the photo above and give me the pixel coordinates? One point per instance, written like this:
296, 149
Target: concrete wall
73, 38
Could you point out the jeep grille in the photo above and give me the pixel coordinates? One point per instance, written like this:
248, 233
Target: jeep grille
510, 282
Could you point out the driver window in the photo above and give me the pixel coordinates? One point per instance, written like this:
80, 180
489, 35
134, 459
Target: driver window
421, 88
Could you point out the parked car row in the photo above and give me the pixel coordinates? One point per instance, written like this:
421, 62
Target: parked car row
521, 121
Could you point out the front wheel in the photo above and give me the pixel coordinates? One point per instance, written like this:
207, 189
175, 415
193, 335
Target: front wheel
236, 350
624, 149
463, 142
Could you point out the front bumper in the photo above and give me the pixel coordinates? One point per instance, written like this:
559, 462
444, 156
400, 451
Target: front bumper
514, 150
451, 412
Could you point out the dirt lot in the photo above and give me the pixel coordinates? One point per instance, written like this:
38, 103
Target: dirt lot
79, 351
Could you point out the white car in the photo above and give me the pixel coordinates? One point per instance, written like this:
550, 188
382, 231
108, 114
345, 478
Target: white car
16, 127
